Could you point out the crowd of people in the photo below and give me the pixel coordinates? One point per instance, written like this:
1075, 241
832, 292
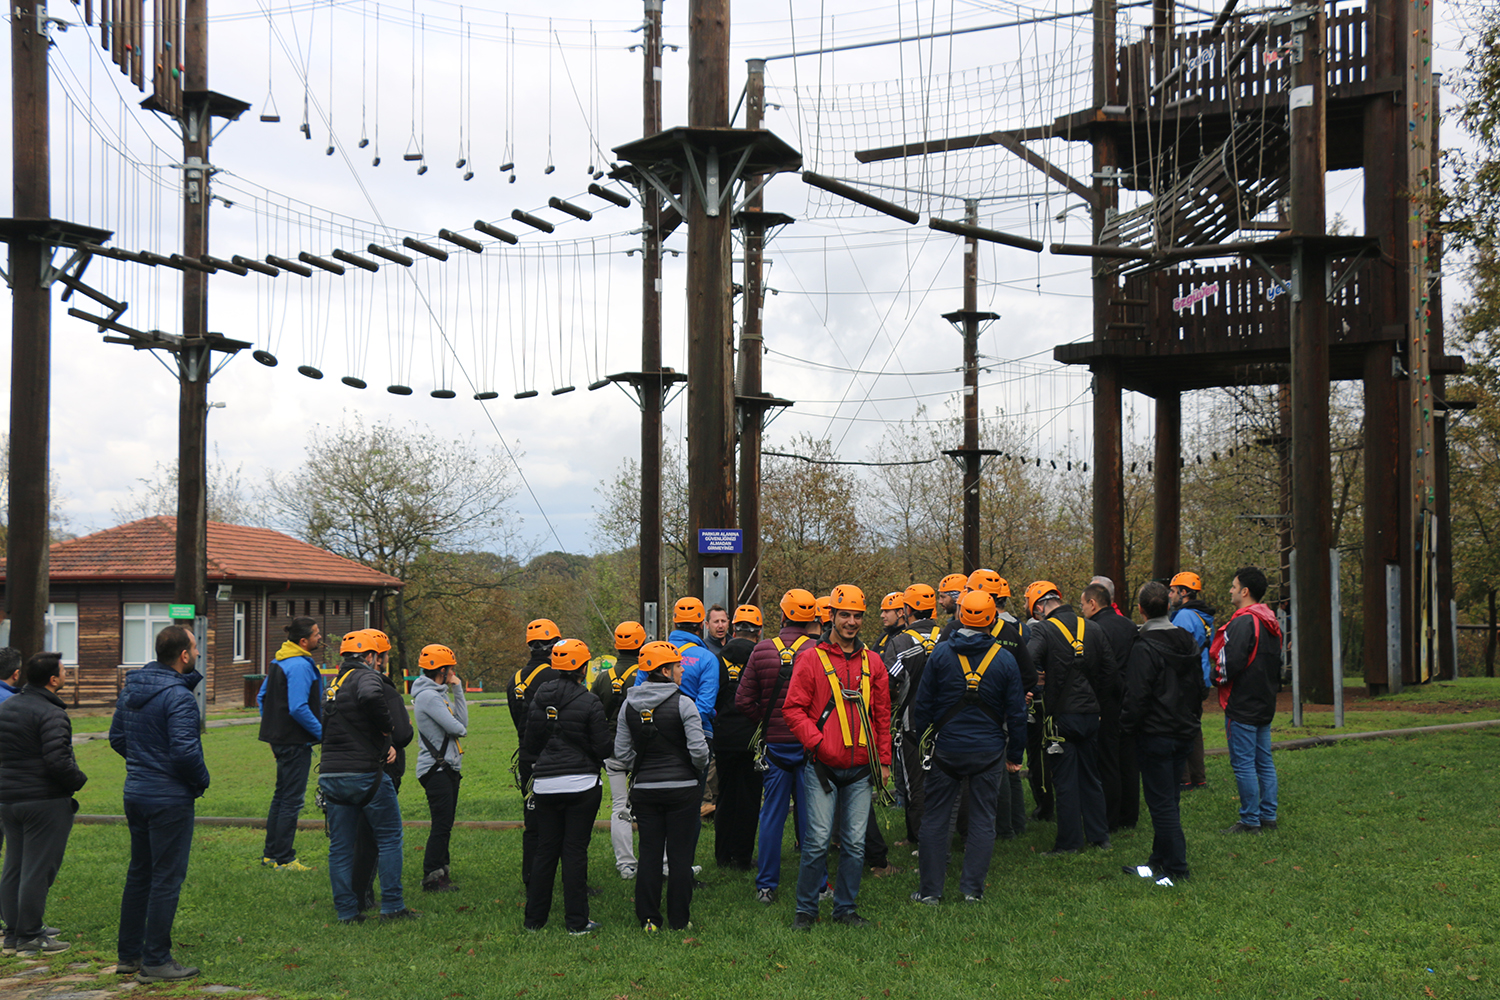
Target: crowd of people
939, 716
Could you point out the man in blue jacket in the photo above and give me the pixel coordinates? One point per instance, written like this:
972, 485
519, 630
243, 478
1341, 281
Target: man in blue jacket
972, 711
291, 714
155, 728
700, 666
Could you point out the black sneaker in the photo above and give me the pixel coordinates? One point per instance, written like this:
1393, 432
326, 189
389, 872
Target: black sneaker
405, 913
1268, 824
804, 921
171, 971
43, 945
127, 968
358, 918
1241, 828
588, 928
1059, 852
851, 919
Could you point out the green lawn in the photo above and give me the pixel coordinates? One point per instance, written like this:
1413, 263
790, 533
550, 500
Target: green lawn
1379, 884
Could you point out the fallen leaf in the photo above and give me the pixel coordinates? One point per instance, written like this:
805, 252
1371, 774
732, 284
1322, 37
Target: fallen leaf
693, 941
1060, 979
1296, 868
292, 965
1473, 979
471, 951
1270, 861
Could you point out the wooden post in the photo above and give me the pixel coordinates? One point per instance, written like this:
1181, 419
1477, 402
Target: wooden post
751, 416
26, 585
651, 390
1166, 548
1109, 465
971, 391
710, 397
1312, 516
1489, 646
1382, 526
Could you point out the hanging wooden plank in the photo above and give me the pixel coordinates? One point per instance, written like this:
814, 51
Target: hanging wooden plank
138, 64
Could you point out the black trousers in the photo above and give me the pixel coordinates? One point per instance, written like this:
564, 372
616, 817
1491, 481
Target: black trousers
36, 835
1119, 773
1010, 807
665, 818
1162, 759
738, 808
441, 785
564, 823
916, 785
1039, 768
1080, 796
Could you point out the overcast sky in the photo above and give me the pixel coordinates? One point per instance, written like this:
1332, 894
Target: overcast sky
854, 333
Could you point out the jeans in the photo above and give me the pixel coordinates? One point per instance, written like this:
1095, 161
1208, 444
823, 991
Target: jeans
621, 838
383, 812
666, 817
367, 849
441, 785
1161, 759
161, 836
852, 804
293, 761
37, 832
564, 822
1079, 793
782, 786
739, 804
1254, 773
979, 842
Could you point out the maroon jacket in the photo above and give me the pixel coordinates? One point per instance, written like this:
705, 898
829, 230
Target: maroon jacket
758, 683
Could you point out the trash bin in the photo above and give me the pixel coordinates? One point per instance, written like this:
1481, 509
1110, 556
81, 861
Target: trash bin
252, 688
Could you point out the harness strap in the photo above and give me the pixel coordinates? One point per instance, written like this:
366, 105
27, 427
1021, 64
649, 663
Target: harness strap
617, 680
840, 694
929, 641
521, 685
1075, 642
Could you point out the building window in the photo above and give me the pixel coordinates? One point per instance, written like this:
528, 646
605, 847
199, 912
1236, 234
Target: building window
60, 631
272, 610
321, 610
140, 623
240, 610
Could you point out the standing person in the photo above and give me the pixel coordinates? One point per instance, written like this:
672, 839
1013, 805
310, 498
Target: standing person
291, 721
1118, 771
892, 618
1162, 710
567, 741
361, 727
761, 696
1077, 663
906, 654
1246, 652
155, 728
659, 737
700, 667
971, 703
10, 673
949, 589
38, 776
541, 636
825, 618
717, 633
739, 783
611, 687
366, 848
849, 749
438, 702
1189, 612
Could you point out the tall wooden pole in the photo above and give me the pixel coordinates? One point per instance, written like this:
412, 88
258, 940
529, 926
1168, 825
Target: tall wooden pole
190, 583
651, 389
710, 398
751, 416
1109, 464
1312, 481
1166, 547
971, 391
31, 336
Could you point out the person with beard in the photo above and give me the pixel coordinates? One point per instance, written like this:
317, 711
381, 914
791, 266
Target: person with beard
739, 783
1246, 653
949, 589
1161, 711
541, 636
610, 687
1188, 611
1117, 765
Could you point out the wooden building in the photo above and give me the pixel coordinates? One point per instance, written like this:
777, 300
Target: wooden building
110, 592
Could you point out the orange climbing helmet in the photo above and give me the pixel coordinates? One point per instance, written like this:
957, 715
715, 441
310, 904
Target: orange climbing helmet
976, 609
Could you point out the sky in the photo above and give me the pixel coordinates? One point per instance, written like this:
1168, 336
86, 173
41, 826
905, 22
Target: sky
853, 329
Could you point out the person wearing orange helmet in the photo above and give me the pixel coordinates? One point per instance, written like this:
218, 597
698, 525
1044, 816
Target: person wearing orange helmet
366, 851
905, 655
949, 589
566, 742
1075, 663
1188, 611
542, 635
700, 665
291, 721
849, 751
442, 713
892, 618
611, 687
761, 696
739, 783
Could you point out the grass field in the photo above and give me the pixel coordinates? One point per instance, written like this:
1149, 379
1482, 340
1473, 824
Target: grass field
1379, 884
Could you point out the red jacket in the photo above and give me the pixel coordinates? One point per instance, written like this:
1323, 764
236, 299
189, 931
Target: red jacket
808, 693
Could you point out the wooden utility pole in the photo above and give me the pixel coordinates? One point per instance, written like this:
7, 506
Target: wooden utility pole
710, 394
1166, 549
1312, 482
751, 416
31, 332
649, 390
1109, 463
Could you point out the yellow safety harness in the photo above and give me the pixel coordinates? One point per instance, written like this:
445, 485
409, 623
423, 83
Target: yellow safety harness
840, 695
1075, 642
617, 680
929, 641
521, 685
973, 675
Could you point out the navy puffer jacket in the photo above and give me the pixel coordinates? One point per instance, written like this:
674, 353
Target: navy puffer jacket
36, 748
155, 728
973, 736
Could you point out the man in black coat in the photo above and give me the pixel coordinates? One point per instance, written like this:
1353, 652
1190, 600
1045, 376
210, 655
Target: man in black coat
38, 776
1117, 765
1161, 712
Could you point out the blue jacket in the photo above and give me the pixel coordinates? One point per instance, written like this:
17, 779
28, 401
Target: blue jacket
155, 728
700, 676
972, 736
6, 691
295, 696
1198, 619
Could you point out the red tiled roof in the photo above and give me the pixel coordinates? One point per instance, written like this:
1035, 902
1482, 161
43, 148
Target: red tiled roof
146, 550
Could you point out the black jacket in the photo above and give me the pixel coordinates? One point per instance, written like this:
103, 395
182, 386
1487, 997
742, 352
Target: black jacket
365, 718
905, 655
1252, 667
576, 742
1163, 683
1121, 633
1069, 688
36, 748
732, 728
621, 676
518, 701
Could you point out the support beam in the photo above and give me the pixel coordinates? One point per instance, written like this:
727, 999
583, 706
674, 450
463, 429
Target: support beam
651, 402
1382, 524
1166, 548
751, 346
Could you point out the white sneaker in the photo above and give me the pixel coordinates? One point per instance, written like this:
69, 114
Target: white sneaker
627, 872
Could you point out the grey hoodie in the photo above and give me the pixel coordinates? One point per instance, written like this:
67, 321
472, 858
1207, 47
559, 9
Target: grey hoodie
650, 694
441, 713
